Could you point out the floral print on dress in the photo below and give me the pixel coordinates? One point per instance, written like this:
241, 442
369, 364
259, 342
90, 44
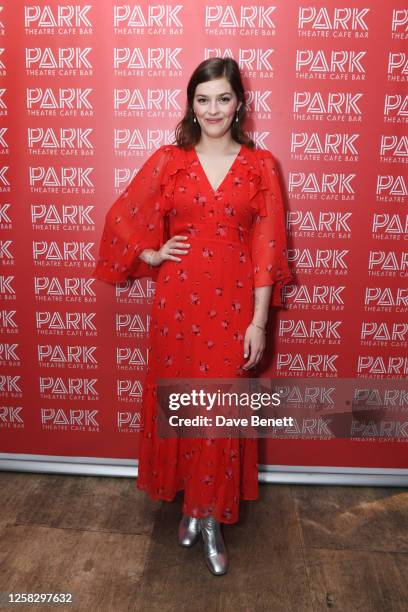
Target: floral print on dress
202, 306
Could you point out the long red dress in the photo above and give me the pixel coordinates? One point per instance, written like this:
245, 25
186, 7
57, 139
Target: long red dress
202, 305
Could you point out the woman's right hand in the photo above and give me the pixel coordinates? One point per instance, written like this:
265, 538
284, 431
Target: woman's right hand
170, 250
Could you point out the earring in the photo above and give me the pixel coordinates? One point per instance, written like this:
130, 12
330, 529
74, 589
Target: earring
195, 119
236, 118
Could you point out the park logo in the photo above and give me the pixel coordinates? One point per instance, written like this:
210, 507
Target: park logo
324, 262
68, 141
131, 358
11, 417
62, 254
393, 148
331, 106
6, 222
339, 22
130, 325
389, 226
68, 356
69, 324
337, 65
69, 419
315, 296
240, 20
399, 21
388, 263
129, 391
335, 186
380, 334
387, 299
327, 224
58, 19
67, 180
390, 188
9, 354
380, 366
69, 102
128, 422
10, 386
76, 289
397, 66
53, 387
151, 19
148, 102
67, 217
332, 147
152, 61
315, 331
307, 365
59, 61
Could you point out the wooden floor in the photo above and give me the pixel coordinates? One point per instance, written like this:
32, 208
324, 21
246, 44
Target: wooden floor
297, 548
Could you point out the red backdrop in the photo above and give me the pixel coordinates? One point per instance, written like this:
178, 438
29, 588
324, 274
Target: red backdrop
89, 92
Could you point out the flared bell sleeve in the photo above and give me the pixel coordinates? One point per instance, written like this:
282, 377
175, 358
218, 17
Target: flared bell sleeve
134, 222
268, 245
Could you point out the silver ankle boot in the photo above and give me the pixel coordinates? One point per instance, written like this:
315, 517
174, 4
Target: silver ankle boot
189, 530
215, 552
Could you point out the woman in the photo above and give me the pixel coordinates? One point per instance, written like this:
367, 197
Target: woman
219, 264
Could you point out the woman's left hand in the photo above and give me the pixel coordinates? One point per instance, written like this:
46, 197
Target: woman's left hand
254, 346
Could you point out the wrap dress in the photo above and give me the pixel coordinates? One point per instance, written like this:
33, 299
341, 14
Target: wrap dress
202, 305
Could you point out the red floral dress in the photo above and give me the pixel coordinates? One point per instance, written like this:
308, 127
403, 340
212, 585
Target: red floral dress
202, 305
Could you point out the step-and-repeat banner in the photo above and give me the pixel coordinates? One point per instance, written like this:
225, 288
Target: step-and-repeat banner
89, 91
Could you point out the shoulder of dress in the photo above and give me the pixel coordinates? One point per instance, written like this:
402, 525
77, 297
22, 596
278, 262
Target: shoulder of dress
264, 154
176, 157
172, 153
173, 160
163, 156
171, 148
262, 172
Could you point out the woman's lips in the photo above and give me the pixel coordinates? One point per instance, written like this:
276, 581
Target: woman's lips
213, 120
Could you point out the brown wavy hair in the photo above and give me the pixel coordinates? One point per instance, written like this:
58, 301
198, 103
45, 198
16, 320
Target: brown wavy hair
187, 132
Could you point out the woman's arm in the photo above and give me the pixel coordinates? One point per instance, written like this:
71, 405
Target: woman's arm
268, 235
261, 305
134, 223
268, 255
254, 341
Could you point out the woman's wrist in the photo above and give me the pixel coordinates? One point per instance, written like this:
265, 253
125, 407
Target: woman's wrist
259, 320
147, 256
258, 326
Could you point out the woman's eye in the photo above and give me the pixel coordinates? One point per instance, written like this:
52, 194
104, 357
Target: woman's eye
222, 99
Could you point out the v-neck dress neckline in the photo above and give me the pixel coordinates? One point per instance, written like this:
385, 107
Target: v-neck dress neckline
226, 175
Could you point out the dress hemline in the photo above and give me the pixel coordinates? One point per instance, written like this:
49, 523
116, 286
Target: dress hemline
220, 519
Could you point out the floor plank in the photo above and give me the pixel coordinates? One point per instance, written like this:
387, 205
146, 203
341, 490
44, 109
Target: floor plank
101, 570
365, 518
93, 503
357, 580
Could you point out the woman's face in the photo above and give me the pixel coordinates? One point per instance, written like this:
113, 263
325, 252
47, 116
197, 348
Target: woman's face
214, 105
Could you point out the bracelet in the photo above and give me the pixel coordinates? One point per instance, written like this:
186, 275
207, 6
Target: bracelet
259, 327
